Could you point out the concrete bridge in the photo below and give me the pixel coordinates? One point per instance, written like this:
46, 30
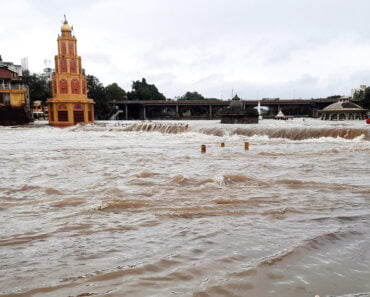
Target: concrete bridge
209, 109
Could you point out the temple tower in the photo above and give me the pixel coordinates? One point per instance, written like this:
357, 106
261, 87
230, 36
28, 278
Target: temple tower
69, 104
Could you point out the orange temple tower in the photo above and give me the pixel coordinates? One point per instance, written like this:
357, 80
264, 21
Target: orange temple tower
69, 104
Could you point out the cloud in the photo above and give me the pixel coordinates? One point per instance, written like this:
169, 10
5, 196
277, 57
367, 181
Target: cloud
268, 48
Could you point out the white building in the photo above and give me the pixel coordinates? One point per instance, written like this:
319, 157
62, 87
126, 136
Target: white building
24, 63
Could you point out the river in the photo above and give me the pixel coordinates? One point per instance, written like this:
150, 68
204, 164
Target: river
135, 209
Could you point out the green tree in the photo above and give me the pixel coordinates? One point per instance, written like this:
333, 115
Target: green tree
115, 92
96, 91
191, 96
39, 85
141, 90
363, 97
334, 97
366, 98
358, 95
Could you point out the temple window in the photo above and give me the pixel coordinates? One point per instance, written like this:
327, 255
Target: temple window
73, 66
63, 115
75, 86
64, 49
70, 48
63, 86
78, 113
63, 65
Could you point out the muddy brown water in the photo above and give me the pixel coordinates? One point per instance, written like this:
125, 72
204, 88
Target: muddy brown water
135, 209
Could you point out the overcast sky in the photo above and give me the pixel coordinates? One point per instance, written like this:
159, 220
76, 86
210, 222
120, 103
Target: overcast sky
258, 48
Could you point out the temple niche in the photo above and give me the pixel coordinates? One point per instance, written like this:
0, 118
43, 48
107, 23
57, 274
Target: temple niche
69, 104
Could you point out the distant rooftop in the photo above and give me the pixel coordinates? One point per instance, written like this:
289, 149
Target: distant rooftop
11, 66
343, 104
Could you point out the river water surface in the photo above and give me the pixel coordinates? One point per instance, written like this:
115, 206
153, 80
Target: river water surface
135, 209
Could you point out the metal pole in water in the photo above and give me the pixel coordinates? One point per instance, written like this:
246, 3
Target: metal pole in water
246, 146
222, 144
203, 148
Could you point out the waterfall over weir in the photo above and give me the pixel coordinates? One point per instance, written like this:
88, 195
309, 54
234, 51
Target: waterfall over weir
292, 130
172, 128
292, 133
271, 129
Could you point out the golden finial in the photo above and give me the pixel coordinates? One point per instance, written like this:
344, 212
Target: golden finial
66, 26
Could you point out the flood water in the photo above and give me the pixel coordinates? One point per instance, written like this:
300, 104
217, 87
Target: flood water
135, 209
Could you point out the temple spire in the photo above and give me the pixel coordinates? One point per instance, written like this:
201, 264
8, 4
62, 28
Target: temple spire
70, 104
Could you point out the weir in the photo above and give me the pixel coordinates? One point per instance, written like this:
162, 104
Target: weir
287, 132
157, 127
292, 133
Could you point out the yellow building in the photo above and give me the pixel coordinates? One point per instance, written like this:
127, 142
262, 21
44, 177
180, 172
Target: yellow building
14, 96
69, 104
12, 90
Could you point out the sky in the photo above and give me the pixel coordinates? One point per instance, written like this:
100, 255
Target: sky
255, 48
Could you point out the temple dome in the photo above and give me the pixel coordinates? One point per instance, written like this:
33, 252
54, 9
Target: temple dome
66, 27
343, 110
236, 97
236, 103
343, 105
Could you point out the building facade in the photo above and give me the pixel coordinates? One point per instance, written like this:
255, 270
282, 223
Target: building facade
13, 91
14, 96
69, 104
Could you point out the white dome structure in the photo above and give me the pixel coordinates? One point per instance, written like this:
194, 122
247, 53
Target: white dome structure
343, 110
280, 115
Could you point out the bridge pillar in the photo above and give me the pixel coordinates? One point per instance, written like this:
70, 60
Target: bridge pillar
126, 112
144, 112
177, 112
210, 112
